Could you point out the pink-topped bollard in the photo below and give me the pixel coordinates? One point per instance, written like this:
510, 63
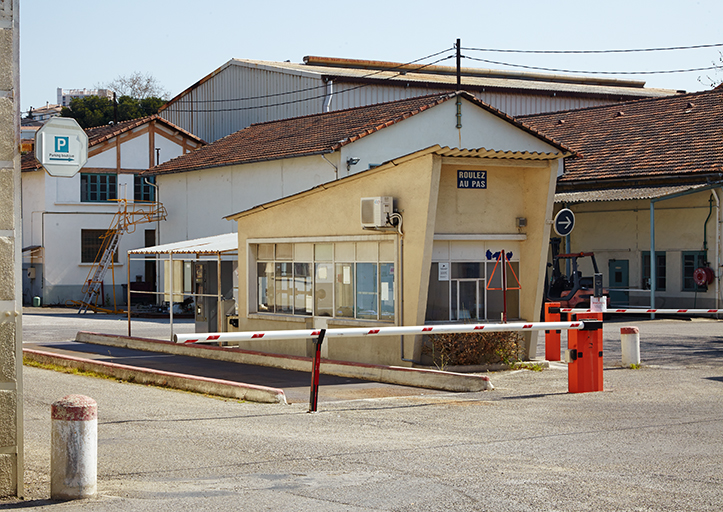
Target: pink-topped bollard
630, 345
74, 448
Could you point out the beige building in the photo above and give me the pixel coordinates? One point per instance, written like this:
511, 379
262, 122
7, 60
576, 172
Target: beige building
308, 262
463, 181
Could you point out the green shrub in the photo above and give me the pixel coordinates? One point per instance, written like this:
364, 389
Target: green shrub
473, 348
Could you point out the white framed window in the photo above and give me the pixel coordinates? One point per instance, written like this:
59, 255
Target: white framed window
465, 282
344, 279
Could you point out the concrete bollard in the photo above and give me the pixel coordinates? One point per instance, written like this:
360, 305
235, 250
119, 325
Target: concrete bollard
74, 448
630, 345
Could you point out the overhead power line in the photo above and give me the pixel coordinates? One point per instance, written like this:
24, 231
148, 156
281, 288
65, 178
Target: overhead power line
579, 72
291, 102
670, 48
316, 87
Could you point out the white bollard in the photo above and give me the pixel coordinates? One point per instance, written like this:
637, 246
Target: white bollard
630, 344
74, 448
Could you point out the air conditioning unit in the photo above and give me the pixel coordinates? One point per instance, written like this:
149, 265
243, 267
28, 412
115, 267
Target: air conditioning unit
374, 211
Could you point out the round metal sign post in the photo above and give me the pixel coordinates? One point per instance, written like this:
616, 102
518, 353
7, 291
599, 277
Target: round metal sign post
61, 146
564, 222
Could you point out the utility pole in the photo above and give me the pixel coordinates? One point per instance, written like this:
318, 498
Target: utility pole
459, 70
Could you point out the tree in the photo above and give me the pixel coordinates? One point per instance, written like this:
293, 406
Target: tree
716, 80
92, 111
136, 85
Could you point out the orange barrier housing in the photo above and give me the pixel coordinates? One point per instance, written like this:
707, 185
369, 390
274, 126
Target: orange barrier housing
552, 337
585, 368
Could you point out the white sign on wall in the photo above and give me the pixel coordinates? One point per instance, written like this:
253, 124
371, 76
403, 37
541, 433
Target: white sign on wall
443, 272
61, 146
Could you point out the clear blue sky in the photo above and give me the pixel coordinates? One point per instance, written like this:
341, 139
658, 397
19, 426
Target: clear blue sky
80, 43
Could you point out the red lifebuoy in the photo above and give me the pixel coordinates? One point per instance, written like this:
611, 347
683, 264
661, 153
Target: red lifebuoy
703, 276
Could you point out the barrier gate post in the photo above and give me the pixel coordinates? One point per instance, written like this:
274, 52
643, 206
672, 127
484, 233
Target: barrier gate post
585, 355
552, 337
314, 395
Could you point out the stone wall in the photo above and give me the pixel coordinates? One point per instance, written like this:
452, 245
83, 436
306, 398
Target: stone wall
11, 438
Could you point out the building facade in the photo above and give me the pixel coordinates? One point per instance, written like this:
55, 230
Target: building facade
655, 162
64, 219
467, 181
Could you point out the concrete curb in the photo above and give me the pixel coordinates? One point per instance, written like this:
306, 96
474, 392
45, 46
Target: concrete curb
403, 376
218, 387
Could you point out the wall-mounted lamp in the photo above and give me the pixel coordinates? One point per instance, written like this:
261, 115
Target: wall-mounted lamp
351, 161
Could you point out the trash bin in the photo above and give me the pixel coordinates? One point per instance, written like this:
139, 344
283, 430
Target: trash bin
36, 302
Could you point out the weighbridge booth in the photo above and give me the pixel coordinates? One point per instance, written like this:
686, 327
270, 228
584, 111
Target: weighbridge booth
415, 240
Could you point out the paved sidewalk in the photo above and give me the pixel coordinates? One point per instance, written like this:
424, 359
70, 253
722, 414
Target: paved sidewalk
650, 441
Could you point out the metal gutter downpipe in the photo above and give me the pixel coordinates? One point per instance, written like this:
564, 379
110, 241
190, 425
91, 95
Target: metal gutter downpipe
652, 258
717, 250
336, 169
329, 95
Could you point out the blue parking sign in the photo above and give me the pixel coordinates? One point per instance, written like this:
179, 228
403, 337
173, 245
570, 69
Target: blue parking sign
62, 144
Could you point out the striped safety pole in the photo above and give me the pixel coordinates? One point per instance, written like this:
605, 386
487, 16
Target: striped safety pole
645, 311
229, 338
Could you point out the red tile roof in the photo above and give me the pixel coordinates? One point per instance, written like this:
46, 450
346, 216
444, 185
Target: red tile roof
315, 134
102, 133
677, 138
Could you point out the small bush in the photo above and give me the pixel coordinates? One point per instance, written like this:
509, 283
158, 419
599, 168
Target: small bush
473, 348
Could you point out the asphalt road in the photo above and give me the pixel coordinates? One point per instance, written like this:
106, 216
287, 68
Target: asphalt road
652, 440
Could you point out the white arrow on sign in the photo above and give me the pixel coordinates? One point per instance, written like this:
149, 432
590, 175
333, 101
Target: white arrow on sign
564, 222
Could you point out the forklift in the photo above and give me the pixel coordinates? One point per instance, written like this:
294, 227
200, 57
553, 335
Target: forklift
573, 291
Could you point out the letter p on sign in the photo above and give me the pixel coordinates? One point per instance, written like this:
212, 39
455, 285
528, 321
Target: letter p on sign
61, 144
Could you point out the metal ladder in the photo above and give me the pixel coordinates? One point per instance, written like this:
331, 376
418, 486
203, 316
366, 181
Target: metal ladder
93, 286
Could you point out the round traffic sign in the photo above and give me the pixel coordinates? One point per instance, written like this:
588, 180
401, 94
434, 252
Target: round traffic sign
564, 222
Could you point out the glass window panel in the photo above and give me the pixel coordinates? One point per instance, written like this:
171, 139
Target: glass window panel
481, 285
367, 297
265, 252
323, 252
367, 251
495, 302
467, 300
386, 251
323, 289
437, 297
284, 251
386, 284
468, 270
284, 287
304, 252
303, 304
344, 251
453, 300
344, 287
265, 277
691, 261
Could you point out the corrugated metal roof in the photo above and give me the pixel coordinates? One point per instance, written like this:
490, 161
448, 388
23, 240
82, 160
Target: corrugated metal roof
623, 194
227, 242
471, 77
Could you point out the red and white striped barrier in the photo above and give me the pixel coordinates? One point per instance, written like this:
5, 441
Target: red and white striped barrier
642, 310
230, 337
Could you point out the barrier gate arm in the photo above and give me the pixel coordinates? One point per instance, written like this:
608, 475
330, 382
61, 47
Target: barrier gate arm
319, 335
231, 337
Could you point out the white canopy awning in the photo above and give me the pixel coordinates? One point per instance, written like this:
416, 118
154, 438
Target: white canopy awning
219, 244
